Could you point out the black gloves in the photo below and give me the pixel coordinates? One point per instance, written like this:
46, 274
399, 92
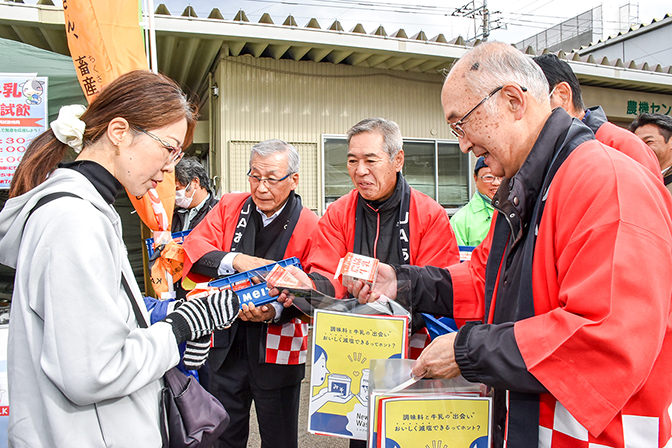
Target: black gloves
201, 316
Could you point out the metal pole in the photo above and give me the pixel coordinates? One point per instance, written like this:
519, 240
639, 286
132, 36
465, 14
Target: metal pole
153, 66
486, 20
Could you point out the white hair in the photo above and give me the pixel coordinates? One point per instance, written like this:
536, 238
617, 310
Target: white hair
493, 64
268, 147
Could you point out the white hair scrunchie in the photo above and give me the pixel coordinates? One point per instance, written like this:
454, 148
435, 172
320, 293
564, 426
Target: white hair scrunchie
68, 128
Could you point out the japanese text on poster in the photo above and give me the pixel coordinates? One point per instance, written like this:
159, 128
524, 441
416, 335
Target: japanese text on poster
23, 116
457, 422
343, 345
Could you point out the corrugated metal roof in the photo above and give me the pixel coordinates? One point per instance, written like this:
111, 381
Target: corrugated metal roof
188, 46
623, 35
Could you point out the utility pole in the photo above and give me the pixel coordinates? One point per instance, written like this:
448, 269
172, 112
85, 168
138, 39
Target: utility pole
486, 20
470, 10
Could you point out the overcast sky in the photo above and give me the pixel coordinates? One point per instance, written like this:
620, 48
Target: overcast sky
521, 18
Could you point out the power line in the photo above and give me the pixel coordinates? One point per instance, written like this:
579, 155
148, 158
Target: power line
430, 8
383, 7
558, 20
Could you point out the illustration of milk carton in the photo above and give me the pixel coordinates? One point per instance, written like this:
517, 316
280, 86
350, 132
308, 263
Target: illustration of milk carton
340, 384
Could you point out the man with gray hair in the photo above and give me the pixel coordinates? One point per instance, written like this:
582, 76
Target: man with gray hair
570, 322
383, 217
255, 359
193, 197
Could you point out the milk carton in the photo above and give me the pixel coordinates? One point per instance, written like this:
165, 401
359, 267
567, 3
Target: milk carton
354, 267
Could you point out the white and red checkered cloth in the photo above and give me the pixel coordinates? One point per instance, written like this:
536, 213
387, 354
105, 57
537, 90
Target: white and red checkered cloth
288, 343
559, 429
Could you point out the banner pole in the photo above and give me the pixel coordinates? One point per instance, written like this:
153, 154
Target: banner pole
153, 66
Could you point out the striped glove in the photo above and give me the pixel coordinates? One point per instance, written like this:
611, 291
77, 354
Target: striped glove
196, 353
201, 316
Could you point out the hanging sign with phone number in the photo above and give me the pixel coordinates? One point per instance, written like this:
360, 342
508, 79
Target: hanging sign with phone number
23, 116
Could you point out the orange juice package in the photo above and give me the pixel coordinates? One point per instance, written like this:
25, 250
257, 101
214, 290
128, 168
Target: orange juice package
357, 267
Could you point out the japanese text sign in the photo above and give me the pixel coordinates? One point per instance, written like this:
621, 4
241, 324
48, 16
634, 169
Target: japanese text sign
23, 116
105, 41
343, 345
648, 107
442, 420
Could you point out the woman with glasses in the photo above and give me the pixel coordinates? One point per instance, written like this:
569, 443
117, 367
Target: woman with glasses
82, 372
472, 222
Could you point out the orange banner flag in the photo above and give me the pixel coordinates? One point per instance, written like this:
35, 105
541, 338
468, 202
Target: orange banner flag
105, 41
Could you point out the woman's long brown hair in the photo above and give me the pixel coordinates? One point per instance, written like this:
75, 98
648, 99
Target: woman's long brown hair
146, 100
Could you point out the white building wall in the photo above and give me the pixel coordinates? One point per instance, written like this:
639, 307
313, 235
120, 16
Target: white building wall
300, 101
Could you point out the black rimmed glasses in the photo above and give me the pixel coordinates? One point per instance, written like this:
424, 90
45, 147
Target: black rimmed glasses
456, 128
176, 152
270, 181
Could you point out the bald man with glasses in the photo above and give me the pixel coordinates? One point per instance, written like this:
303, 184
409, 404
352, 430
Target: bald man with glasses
569, 313
249, 361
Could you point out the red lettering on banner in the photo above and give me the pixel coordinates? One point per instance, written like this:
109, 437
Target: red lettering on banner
11, 89
7, 109
22, 110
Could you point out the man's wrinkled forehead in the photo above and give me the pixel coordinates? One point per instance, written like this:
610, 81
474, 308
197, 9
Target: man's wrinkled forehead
276, 162
456, 91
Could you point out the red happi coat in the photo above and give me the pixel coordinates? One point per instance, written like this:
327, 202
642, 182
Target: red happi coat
431, 242
601, 285
608, 133
621, 139
216, 233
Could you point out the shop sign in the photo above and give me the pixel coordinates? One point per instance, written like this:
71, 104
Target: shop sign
647, 107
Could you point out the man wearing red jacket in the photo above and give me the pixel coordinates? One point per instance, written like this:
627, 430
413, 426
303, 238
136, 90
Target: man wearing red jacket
565, 92
262, 357
574, 327
383, 217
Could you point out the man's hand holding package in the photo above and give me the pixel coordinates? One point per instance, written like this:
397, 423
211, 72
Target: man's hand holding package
251, 313
386, 284
243, 262
437, 360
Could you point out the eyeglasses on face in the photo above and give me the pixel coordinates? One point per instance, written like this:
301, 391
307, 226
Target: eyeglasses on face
176, 152
456, 128
270, 181
489, 178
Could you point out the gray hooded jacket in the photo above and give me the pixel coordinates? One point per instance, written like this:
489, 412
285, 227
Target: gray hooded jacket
81, 373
